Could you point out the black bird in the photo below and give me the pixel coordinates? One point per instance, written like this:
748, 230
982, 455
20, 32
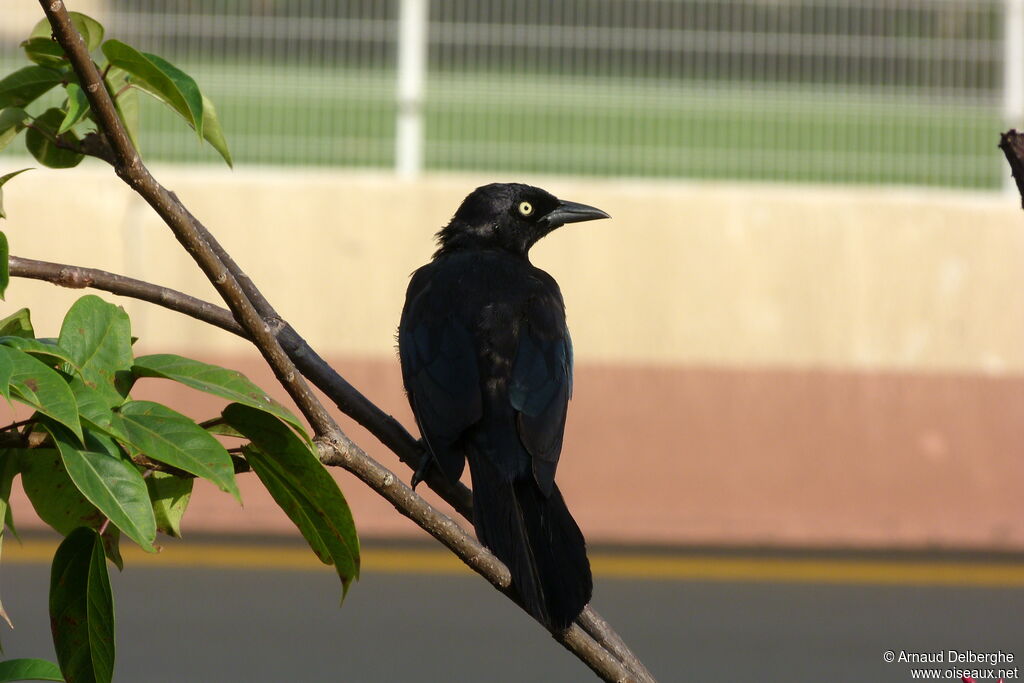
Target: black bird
487, 365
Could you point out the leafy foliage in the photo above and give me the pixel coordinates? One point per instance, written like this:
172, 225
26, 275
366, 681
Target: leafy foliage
228, 384
56, 136
17, 324
78, 106
27, 84
29, 670
109, 480
57, 501
161, 79
293, 475
12, 121
91, 30
82, 608
96, 463
178, 441
40, 386
126, 100
8, 468
47, 146
170, 496
100, 438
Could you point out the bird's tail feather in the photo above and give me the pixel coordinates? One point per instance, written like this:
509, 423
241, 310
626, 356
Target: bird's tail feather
537, 538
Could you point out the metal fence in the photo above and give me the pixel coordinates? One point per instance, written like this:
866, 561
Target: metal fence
862, 91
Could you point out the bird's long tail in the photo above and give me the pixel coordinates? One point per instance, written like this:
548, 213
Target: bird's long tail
537, 538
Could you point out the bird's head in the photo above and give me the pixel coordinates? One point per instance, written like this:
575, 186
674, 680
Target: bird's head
509, 216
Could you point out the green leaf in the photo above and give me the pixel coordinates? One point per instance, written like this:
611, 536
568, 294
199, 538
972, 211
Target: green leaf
126, 101
26, 85
161, 79
40, 141
82, 609
176, 440
95, 411
170, 495
52, 493
98, 337
110, 481
50, 352
29, 670
188, 88
212, 131
18, 324
44, 51
221, 428
5, 272
43, 388
78, 106
302, 487
12, 122
56, 500
91, 30
4, 179
9, 524
8, 468
212, 379
6, 372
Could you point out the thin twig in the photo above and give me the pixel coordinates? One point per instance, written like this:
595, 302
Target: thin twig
17, 425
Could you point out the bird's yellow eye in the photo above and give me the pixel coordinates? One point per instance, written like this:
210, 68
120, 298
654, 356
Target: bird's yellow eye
525, 208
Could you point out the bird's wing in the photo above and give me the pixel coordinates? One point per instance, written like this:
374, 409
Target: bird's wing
540, 388
439, 369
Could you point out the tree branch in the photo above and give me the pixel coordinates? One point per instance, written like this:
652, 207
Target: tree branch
262, 325
348, 399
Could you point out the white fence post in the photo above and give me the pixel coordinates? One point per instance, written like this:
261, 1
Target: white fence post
412, 74
1013, 72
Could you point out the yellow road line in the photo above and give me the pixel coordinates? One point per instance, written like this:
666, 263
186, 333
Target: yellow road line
607, 565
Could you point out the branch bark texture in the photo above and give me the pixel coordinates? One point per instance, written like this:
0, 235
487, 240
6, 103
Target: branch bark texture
290, 358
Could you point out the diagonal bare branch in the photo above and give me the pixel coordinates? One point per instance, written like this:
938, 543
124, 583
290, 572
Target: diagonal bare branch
346, 397
261, 324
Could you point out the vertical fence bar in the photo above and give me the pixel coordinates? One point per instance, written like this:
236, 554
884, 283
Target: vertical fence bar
1013, 72
412, 74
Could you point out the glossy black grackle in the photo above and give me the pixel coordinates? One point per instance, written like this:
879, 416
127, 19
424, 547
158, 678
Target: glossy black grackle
487, 365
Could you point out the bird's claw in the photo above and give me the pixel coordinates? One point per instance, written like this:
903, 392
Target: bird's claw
421, 472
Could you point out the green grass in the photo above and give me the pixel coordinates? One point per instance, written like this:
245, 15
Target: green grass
549, 124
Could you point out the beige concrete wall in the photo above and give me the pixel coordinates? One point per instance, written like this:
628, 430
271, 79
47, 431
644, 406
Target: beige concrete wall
684, 273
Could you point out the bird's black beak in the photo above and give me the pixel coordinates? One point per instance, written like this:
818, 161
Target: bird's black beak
571, 212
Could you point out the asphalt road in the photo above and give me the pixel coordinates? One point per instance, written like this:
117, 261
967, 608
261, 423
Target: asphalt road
246, 623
